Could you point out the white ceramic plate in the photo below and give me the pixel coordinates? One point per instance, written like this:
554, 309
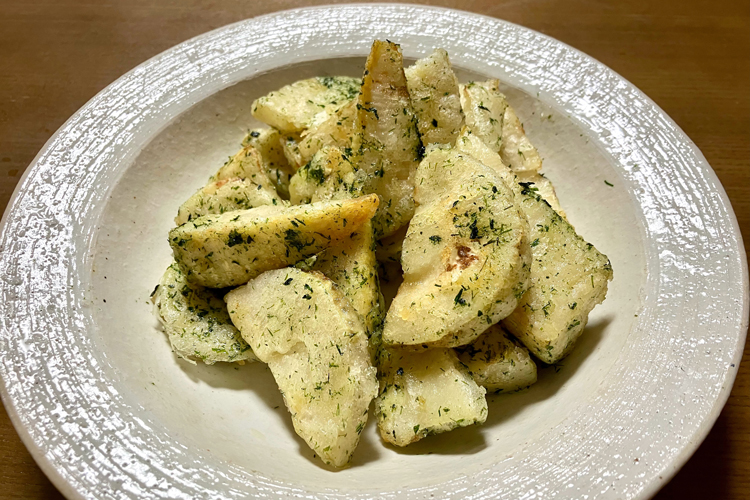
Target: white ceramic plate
109, 412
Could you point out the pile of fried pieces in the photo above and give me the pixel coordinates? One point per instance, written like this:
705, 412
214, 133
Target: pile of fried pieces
279, 257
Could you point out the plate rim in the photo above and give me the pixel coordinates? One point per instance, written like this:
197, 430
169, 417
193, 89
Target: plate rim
67, 488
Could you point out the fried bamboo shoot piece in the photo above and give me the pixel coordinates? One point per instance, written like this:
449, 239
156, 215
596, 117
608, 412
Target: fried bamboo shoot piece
315, 345
433, 88
427, 393
466, 255
386, 148
229, 249
295, 107
196, 321
497, 362
492, 119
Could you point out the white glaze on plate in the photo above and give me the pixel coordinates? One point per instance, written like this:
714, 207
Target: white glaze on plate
78, 372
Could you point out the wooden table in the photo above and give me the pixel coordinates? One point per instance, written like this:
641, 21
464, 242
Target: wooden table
691, 57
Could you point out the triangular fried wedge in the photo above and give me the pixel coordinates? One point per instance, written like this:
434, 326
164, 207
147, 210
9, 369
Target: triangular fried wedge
492, 119
229, 249
568, 276
465, 258
426, 393
353, 267
386, 148
295, 107
433, 88
301, 324
196, 321
498, 362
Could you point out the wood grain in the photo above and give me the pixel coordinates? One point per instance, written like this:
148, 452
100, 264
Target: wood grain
691, 57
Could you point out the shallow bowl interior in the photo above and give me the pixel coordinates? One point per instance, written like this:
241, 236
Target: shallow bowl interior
235, 414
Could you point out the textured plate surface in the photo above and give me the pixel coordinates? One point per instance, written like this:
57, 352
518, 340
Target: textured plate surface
107, 410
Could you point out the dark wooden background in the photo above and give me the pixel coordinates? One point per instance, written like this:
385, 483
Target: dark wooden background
692, 57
